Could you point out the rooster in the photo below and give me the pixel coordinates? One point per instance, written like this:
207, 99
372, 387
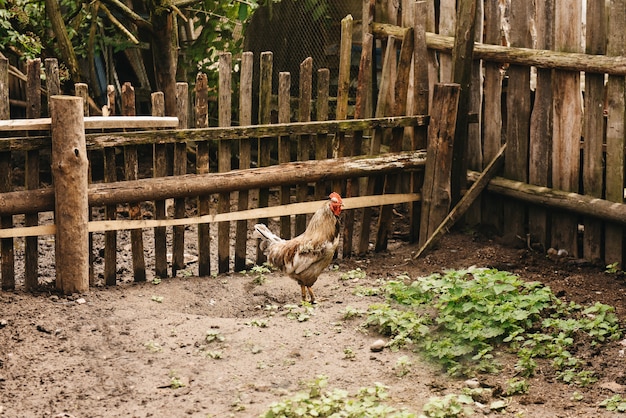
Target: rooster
304, 257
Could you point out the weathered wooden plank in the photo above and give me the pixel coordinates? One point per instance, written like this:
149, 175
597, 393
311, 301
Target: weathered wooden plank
284, 147
385, 217
593, 127
131, 172
110, 210
447, 25
160, 170
518, 116
180, 168
540, 146
202, 167
615, 132
466, 201
305, 146
31, 173
321, 112
566, 125
94, 122
223, 158
265, 97
245, 118
270, 212
7, 268
436, 191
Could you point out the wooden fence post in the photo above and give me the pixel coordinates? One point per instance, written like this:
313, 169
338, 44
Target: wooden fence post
6, 245
69, 170
436, 196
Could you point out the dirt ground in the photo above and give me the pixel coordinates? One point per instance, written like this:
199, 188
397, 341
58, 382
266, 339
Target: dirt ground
235, 346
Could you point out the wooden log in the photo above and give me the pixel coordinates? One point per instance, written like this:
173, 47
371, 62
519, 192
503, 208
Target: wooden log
462, 65
31, 174
94, 122
385, 218
557, 199
593, 127
223, 159
146, 189
447, 25
517, 125
305, 146
111, 101
180, 168
245, 118
566, 125
7, 255
284, 148
540, 146
555, 60
69, 170
436, 190
202, 167
466, 201
265, 97
160, 170
615, 132
131, 171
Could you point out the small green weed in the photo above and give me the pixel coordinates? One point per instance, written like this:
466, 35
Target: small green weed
356, 274
613, 268
175, 382
214, 336
153, 346
615, 403
449, 406
258, 273
317, 401
297, 313
157, 299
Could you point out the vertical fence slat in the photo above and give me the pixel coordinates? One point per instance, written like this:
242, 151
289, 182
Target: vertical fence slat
321, 114
567, 121
265, 101
245, 118
284, 147
436, 196
6, 185
385, 218
615, 131
31, 173
360, 109
223, 159
540, 147
179, 169
159, 170
594, 127
110, 211
518, 115
202, 167
304, 142
447, 24
131, 170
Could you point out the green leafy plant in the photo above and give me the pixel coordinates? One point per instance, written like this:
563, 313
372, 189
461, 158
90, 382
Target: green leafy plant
449, 406
356, 274
214, 336
175, 382
153, 346
157, 299
613, 268
297, 313
258, 274
402, 366
615, 403
458, 318
317, 401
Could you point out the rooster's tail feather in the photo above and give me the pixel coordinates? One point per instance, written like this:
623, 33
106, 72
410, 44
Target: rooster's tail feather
266, 234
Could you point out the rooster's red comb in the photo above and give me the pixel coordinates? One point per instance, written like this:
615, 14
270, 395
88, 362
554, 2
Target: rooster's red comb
335, 197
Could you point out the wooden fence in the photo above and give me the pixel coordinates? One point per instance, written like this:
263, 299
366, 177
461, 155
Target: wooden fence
218, 177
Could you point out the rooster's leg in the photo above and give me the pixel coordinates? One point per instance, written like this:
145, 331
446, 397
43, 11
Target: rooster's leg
303, 289
311, 294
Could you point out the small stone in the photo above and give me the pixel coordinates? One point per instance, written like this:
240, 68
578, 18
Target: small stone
377, 346
3, 323
613, 387
472, 383
81, 301
54, 298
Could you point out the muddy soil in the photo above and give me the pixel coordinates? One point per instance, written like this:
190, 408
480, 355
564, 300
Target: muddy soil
230, 345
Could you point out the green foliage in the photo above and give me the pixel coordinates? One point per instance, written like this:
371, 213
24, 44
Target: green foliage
449, 406
460, 317
258, 273
613, 268
615, 403
355, 275
317, 401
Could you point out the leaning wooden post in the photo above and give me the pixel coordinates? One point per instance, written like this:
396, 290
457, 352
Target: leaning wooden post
69, 171
436, 195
